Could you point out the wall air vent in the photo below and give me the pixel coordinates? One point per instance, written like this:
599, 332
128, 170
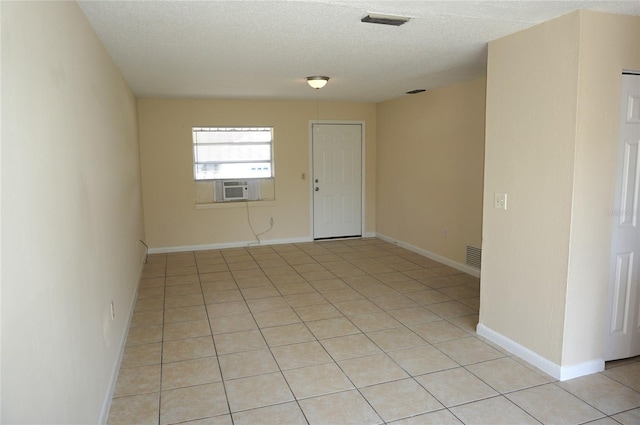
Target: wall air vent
384, 20
474, 257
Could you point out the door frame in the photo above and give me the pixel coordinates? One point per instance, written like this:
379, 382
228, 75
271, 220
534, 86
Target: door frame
362, 171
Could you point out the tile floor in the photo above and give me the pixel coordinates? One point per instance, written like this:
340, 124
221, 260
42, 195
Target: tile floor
339, 332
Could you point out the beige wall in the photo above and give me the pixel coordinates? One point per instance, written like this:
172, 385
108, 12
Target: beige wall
608, 44
552, 95
71, 215
430, 166
171, 218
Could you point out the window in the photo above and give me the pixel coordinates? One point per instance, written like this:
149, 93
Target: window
232, 153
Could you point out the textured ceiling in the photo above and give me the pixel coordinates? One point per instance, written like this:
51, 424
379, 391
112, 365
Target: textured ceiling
265, 49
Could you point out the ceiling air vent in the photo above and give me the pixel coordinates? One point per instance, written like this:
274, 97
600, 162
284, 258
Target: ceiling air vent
384, 19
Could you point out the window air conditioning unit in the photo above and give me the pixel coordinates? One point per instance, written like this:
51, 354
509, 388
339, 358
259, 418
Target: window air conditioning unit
235, 191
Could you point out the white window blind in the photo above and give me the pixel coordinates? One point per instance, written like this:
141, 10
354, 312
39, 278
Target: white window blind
232, 153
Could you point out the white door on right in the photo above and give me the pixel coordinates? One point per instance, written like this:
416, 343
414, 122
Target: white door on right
337, 180
622, 336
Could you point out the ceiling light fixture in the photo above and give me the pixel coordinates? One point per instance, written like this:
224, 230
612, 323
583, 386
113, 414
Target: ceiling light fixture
395, 21
317, 81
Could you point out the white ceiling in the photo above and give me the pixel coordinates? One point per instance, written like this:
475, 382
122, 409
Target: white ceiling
265, 49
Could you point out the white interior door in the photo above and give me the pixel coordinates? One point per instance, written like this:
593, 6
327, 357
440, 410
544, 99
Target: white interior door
622, 337
337, 180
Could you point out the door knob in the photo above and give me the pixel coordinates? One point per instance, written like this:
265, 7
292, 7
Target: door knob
316, 180
317, 189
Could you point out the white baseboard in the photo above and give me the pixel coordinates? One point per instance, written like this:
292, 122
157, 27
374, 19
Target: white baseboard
241, 244
458, 266
561, 373
106, 405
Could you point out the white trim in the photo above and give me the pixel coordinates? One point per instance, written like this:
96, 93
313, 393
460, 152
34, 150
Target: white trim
241, 244
459, 266
106, 405
561, 373
362, 125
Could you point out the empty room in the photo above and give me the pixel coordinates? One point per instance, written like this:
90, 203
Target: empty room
320, 212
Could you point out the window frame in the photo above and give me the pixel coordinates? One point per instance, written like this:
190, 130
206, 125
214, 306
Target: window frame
204, 129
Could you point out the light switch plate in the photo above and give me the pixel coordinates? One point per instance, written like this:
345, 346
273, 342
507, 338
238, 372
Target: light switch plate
500, 201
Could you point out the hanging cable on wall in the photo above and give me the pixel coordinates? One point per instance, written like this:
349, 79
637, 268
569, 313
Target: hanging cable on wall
256, 235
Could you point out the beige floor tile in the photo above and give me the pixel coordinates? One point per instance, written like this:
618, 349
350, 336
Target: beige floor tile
317, 312
141, 355
392, 277
215, 277
253, 282
185, 314
466, 323
350, 346
267, 304
190, 372
496, 410
421, 360
184, 330
183, 301
227, 309
405, 286
283, 275
344, 408
219, 285
239, 341
329, 285
353, 307
395, 339
506, 375
247, 363
414, 315
213, 268
185, 404
455, 386
439, 417
156, 282
271, 318
374, 321
137, 380
149, 304
451, 309
232, 323
338, 295
550, 404
371, 370
469, 350
153, 292
439, 331
393, 302
400, 399
605, 421
181, 270
260, 292
300, 355
182, 280
628, 375
630, 417
138, 409
187, 349
222, 296
305, 299
146, 318
180, 290
286, 413
144, 335
472, 303
427, 297
312, 381
331, 328
257, 391
294, 288
460, 292
287, 334
603, 393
